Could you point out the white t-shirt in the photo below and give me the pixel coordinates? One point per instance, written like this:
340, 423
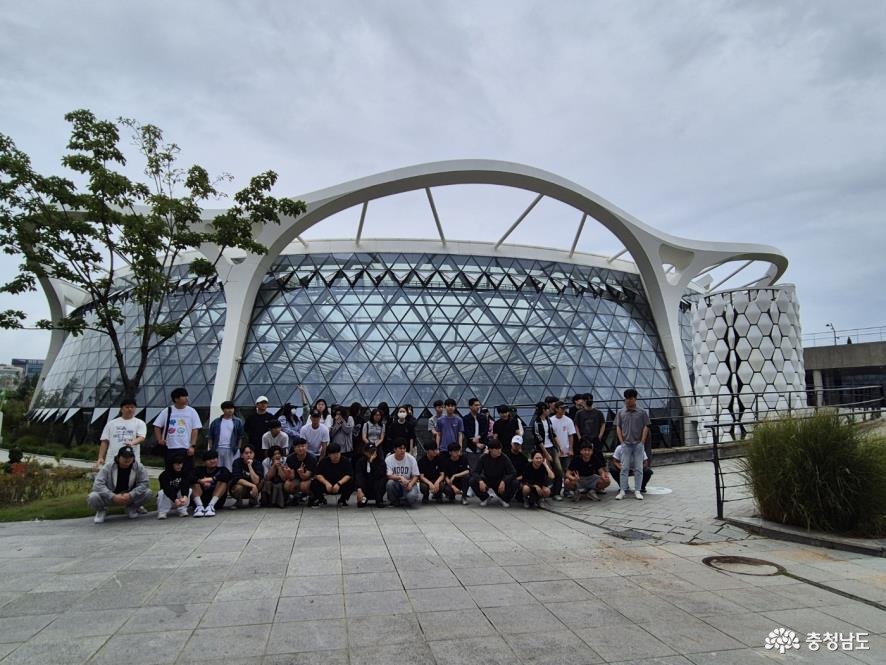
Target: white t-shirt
181, 423
564, 428
315, 437
407, 466
120, 432
225, 431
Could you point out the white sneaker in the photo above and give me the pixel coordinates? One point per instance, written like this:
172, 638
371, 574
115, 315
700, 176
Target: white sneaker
557, 497
483, 502
620, 495
183, 511
132, 513
100, 516
161, 516
199, 511
209, 511
504, 504
638, 495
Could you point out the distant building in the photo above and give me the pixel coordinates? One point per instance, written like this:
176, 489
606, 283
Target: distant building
10, 377
845, 373
30, 366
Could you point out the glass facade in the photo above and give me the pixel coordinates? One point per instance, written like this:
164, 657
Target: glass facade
399, 328
412, 328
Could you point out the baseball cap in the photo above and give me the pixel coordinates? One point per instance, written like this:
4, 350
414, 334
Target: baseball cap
517, 439
261, 398
126, 451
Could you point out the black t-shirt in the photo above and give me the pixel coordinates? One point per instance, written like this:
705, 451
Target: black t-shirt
589, 468
239, 471
309, 463
173, 483
518, 460
334, 472
588, 423
452, 467
256, 425
505, 430
430, 468
533, 476
122, 486
219, 474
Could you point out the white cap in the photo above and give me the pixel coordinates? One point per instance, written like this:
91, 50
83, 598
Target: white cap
517, 439
261, 398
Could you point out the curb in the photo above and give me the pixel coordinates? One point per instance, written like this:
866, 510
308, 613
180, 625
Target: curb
872, 547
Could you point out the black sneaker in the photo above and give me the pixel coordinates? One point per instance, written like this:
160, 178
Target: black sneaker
322, 501
425, 501
438, 497
341, 502
312, 502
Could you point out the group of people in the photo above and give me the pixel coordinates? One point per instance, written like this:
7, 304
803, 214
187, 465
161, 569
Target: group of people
277, 460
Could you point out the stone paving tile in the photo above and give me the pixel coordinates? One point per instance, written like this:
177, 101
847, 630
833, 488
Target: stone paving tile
307, 636
439, 600
23, 628
142, 649
418, 654
372, 582
69, 651
499, 595
524, 618
237, 642
238, 613
382, 630
624, 643
310, 608
564, 648
313, 585
689, 635
164, 617
377, 602
490, 650
454, 624
334, 657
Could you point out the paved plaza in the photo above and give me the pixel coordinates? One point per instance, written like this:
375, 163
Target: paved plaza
613, 582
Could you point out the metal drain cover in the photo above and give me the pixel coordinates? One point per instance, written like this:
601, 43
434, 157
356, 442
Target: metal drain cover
742, 565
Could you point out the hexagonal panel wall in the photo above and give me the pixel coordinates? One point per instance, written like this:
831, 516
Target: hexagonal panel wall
747, 341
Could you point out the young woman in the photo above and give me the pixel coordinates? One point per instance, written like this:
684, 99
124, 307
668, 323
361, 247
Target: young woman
374, 429
400, 427
546, 443
537, 479
342, 431
290, 422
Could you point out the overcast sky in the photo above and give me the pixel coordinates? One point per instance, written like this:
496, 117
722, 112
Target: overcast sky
739, 121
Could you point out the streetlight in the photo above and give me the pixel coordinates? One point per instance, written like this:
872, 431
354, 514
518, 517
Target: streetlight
834, 330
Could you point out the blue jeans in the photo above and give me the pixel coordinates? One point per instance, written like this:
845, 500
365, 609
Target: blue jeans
631, 458
397, 493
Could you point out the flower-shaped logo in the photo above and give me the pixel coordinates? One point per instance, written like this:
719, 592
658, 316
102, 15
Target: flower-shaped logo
782, 639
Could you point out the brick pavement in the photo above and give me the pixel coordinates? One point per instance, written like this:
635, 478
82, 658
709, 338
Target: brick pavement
436, 584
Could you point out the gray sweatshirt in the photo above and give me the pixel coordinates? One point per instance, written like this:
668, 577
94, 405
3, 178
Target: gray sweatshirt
106, 480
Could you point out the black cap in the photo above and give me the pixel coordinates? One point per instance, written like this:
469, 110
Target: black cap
126, 451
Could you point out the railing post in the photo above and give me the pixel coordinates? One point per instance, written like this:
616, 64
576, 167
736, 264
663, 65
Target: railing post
715, 457
789, 404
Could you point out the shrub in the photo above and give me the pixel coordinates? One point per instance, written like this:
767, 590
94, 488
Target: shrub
820, 473
31, 482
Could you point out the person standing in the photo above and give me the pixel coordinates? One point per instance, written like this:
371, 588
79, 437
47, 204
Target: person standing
121, 482
564, 431
632, 430
342, 431
590, 424
257, 424
275, 436
226, 435
450, 428
546, 442
177, 428
398, 428
374, 430
290, 423
475, 428
439, 410
124, 430
506, 427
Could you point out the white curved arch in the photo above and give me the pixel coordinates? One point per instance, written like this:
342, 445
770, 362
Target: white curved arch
651, 249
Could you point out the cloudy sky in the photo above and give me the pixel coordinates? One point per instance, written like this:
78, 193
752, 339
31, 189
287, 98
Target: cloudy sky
734, 121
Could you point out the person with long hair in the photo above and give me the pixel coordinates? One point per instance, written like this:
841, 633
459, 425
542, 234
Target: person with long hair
374, 429
290, 422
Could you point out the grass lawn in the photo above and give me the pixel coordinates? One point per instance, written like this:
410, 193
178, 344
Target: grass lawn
61, 507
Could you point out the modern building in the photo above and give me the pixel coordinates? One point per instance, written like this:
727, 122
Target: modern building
10, 377
851, 373
32, 367
409, 321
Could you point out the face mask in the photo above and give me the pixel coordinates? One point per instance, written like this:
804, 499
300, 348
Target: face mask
401, 415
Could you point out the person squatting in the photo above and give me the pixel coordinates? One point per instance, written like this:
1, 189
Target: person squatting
278, 461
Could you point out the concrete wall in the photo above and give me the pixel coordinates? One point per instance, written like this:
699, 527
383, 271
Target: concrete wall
845, 356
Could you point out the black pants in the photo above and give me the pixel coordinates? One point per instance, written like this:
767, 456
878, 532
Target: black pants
318, 490
426, 490
510, 488
373, 487
460, 483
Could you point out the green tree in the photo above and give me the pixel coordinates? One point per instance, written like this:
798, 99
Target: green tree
120, 238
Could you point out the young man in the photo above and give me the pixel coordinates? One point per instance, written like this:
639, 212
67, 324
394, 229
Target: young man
506, 427
564, 429
578, 403
211, 483
402, 486
450, 428
615, 465
124, 430
317, 435
456, 475
632, 430
518, 459
246, 478
120, 482
590, 424
476, 428
275, 436
176, 428
587, 474
257, 424
494, 477
226, 435
175, 490
430, 477
300, 469
439, 410
334, 476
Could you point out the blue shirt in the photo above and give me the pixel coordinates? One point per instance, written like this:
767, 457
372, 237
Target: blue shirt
449, 428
